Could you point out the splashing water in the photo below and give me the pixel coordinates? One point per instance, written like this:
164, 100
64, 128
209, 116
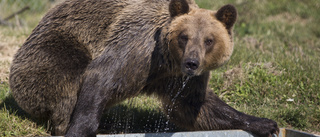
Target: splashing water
130, 119
184, 83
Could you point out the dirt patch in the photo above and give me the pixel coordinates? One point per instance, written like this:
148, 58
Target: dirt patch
231, 75
8, 47
269, 66
254, 43
288, 18
240, 73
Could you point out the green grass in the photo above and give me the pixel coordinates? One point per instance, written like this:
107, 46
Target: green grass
273, 73
15, 122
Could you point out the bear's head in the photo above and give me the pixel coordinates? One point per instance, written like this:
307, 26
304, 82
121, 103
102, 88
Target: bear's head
200, 40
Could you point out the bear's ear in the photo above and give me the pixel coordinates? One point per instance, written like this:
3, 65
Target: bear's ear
227, 15
178, 7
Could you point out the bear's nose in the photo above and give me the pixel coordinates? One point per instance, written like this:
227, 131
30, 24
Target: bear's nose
191, 64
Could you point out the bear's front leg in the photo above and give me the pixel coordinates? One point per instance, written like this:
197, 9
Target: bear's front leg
225, 117
102, 87
97, 92
88, 110
194, 109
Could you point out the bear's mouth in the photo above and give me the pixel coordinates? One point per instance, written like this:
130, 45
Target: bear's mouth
190, 72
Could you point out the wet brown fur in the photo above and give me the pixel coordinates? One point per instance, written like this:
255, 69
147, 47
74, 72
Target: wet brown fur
87, 55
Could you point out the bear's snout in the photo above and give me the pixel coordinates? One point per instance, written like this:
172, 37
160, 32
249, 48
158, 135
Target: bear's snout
190, 65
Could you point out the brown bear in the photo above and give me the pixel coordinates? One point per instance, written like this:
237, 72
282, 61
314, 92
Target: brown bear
87, 55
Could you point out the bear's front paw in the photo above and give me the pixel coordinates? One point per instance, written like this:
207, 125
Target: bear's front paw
262, 127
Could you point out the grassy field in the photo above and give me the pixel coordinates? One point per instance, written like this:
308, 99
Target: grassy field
273, 73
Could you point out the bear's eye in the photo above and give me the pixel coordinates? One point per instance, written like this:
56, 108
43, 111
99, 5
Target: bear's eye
184, 37
208, 42
183, 40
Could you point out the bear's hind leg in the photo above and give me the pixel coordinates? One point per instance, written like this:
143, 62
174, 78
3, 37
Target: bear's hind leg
45, 76
71, 60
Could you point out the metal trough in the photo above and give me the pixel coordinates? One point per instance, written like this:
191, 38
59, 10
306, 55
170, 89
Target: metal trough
221, 133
